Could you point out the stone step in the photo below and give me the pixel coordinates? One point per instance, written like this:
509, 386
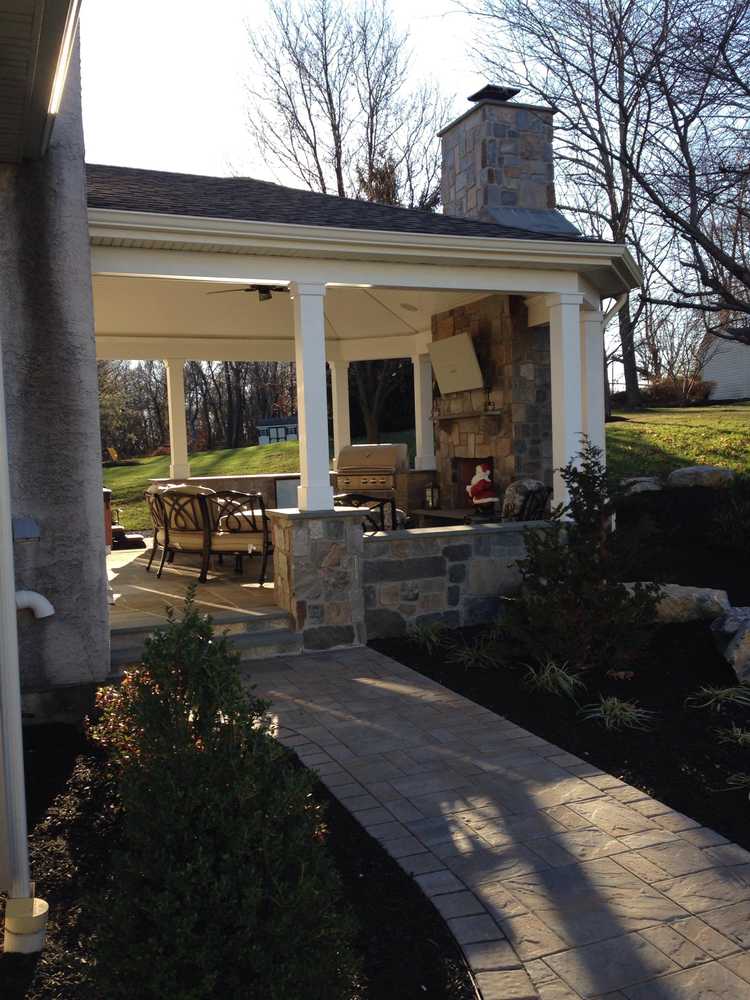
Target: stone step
267, 634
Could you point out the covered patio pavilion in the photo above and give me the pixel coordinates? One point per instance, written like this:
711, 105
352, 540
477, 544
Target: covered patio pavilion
352, 296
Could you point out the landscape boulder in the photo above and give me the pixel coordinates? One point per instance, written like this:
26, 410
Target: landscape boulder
642, 484
679, 604
712, 476
731, 633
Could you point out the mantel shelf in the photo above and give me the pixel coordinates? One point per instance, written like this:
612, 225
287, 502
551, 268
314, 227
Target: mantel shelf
468, 413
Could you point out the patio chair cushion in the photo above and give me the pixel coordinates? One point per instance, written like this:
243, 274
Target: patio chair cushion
240, 521
194, 489
236, 541
221, 541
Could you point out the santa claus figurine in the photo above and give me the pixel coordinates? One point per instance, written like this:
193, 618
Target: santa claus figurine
481, 490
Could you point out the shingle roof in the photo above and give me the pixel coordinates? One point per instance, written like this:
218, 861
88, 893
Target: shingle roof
136, 190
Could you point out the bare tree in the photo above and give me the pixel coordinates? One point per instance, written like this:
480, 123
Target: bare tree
338, 111
693, 64
336, 107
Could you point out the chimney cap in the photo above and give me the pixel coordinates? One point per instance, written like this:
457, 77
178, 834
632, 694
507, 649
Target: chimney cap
493, 92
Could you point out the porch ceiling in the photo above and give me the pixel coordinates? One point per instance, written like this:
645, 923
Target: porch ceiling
138, 317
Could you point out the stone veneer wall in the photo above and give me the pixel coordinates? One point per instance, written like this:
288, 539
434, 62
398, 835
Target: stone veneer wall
498, 155
452, 575
318, 574
511, 418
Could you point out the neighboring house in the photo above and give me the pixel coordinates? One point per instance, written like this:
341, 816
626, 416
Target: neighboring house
276, 429
727, 366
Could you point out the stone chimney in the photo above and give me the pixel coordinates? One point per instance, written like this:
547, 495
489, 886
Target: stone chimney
497, 164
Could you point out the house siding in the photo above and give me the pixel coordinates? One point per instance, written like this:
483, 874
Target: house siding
728, 367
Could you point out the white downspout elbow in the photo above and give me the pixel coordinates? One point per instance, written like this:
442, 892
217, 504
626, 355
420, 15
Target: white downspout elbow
29, 600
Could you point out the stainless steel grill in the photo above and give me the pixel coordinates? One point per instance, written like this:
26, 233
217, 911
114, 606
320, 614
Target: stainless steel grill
373, 469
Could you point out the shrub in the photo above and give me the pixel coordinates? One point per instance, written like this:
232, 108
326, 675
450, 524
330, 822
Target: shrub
428, 636
482, 654
572, 607
677, 390
224, 886
719, 698
734, 735
616, 714
553, 678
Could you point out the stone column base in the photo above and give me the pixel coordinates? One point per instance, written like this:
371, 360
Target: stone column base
318, 574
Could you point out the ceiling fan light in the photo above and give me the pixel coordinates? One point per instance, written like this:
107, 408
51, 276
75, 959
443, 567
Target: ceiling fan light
264, 294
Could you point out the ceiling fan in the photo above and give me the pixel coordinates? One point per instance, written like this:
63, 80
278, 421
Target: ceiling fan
264, 291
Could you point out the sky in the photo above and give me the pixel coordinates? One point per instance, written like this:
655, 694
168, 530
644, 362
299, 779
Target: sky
165, 81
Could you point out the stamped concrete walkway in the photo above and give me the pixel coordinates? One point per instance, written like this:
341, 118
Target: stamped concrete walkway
559, 881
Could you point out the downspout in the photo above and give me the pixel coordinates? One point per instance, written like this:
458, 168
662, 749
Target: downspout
25, 916
37, 604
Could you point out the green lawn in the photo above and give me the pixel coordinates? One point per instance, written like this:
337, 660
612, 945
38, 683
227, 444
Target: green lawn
657, 441
128, 482
642, 443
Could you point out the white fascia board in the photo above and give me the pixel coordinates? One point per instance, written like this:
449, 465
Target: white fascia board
156, 347
231, 236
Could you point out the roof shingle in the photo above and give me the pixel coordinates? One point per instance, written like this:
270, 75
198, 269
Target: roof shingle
132, 189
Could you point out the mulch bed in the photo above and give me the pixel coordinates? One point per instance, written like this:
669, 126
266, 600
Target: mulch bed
680, 761
408, 951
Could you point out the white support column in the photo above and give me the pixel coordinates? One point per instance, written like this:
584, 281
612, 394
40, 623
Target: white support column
179, 467
314, 491
592, 377
425, 431
342, 435
565, 372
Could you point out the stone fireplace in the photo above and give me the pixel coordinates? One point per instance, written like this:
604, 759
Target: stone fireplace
509, 420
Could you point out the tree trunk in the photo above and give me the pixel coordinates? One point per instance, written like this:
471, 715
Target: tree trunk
371, 425
632, 392
607, 392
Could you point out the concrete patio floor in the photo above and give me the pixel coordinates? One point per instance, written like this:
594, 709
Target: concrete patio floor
141, 598
559, 881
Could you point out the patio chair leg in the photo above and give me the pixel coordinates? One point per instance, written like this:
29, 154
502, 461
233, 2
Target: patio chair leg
238, 564
221, 559
170, 560
263, 566
151, 556
163, 560
204, 567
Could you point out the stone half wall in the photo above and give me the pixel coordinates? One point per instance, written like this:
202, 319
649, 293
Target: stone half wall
511, 418
456, 575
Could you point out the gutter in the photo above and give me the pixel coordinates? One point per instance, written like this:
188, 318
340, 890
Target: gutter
217, 235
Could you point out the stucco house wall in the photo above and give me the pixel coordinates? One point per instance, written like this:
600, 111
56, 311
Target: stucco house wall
47, 330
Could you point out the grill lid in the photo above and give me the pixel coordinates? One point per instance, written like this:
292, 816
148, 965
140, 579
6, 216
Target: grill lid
373, 458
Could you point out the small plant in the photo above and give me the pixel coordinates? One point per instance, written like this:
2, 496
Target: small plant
719, 698
572, 606
428, 636
616, 714
553, 678
735, 735
481, 654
